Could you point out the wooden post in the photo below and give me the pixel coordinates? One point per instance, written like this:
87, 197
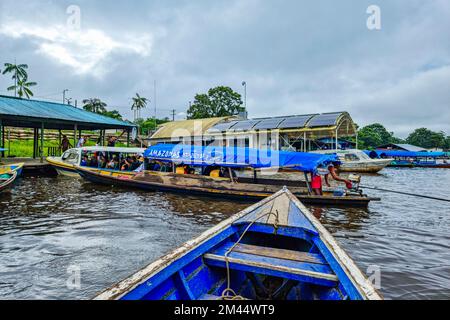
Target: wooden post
42, 143
230, 172
255, 176
75, 136
34, 143
3, 139
307, 184
128, 138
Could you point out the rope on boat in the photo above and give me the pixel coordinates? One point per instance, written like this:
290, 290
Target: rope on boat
407, 194
229, 294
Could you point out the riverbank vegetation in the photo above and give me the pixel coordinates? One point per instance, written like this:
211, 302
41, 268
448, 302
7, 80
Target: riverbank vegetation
376, 134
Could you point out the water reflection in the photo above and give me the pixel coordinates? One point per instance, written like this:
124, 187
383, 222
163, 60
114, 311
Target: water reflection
49, 224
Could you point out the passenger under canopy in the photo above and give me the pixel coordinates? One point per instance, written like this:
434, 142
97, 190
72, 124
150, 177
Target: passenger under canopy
238, 157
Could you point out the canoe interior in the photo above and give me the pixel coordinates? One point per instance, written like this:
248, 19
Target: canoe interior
279, 258
7, 180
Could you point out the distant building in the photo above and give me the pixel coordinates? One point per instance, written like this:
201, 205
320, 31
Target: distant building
295, 133
401, 147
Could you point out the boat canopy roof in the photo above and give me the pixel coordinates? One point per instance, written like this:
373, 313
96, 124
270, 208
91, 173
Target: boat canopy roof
238, 157
110, 149
404, 154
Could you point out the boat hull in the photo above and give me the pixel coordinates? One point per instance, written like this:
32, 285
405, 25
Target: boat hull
6, 185
373, 166
223, 190
274, 250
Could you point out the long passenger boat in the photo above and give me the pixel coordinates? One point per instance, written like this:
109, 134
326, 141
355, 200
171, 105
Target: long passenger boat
241, 188
273, 250
66, 164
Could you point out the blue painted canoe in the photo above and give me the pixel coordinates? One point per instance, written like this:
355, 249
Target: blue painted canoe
7, 180
17, 167
275, 249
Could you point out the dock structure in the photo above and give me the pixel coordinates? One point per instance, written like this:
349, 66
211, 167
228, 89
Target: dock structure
43, 115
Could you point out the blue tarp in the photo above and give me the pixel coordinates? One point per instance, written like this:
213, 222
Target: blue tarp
403, 154
238, 157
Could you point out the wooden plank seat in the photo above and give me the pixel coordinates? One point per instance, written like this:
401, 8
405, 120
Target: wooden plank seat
292, 265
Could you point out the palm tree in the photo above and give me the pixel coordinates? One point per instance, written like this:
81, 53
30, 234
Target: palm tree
19, 73
94, 105
22, 87
138, 104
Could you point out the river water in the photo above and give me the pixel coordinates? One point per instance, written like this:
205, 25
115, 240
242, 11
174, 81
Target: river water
53, 227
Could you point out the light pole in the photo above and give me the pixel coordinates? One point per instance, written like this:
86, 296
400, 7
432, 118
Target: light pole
64, 95
244, 84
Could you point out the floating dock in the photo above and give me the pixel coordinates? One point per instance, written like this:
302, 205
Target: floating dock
32, 167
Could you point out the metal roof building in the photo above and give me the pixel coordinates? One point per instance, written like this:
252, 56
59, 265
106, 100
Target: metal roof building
402, 147
42, 115
15, 112
289, 132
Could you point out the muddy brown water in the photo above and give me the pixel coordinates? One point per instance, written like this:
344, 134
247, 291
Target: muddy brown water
52, 226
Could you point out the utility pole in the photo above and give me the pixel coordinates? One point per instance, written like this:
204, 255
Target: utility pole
64, 95
173, 114
154, 88
244, 84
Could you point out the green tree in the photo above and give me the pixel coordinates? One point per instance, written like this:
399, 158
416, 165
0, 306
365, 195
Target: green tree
113, 114
22, 88
218, 102
18, 73
427, 139
147, 125
94, 105
374, 135
138, 104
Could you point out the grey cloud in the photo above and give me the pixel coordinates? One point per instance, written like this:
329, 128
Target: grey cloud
297, 57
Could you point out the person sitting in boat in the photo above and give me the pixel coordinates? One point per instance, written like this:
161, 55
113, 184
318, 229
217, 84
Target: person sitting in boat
316, 184
102, 163
114, 164
84, 161
94, 161
331, 170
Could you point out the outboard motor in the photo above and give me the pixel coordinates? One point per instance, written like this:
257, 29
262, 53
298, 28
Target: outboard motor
356, 181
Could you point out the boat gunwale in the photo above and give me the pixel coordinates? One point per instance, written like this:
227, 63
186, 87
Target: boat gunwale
353, 273
346, 200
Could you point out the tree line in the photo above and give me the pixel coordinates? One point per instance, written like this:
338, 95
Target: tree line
223, 101
376, 134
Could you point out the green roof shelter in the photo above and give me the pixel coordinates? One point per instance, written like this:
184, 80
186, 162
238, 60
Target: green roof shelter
41, 115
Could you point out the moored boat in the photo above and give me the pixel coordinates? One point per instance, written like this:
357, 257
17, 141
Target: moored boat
273, 250
410, 159
16, 167
243, 188
358, 161
67, 163
7, 179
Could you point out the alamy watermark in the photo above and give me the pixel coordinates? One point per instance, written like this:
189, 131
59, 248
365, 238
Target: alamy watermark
374, 275
74, 280
74, 19
374, 19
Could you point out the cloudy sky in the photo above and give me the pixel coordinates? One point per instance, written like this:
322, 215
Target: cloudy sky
296, 56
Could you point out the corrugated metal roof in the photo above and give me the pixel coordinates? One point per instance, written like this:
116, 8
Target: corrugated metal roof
28, 113
402, 146
187, 128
